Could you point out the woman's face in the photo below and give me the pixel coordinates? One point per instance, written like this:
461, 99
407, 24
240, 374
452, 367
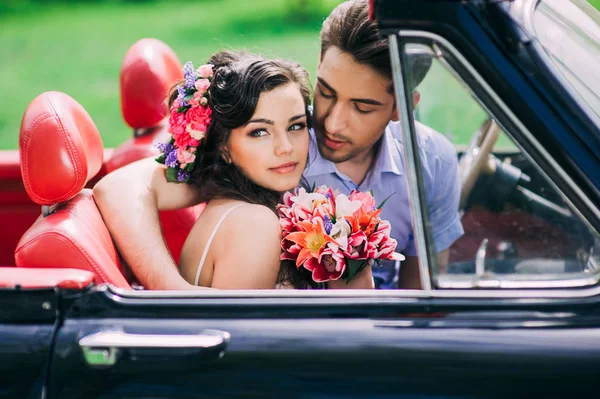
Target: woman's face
272, 147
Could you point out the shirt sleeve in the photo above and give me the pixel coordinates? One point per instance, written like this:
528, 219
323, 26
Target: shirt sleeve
442, 190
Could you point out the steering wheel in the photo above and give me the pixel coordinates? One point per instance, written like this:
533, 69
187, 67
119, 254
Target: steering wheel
476, 158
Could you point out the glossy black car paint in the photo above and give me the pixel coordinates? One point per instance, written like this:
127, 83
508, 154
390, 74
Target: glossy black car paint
28, 320
319, 347
323, 346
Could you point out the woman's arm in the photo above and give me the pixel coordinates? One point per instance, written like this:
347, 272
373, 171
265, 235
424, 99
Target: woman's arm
129, 200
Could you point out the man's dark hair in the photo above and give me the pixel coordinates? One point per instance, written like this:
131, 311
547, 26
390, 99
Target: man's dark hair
348, 28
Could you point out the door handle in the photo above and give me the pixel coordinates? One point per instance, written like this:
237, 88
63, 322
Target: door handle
104, 348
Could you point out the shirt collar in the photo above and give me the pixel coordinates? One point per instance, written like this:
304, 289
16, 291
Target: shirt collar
388, 159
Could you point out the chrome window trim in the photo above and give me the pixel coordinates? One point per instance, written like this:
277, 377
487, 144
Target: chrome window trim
413, 171
338, 297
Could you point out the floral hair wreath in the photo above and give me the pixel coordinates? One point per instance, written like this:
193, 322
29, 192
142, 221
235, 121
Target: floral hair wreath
189, 118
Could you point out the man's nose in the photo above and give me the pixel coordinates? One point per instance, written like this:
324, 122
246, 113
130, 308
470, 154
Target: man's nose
336, 121
283, 145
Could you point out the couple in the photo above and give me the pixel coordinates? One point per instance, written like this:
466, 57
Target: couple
256, 148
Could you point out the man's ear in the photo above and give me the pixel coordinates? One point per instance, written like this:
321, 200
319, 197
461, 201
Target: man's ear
395, 113
416, 97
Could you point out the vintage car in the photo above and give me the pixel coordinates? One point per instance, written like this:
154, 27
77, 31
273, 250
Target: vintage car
516, 313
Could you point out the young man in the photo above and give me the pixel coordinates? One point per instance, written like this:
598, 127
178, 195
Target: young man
356, 144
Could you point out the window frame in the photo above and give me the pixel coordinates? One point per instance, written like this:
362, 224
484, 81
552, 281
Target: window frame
458, 66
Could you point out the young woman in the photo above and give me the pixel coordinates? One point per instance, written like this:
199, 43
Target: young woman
240, 128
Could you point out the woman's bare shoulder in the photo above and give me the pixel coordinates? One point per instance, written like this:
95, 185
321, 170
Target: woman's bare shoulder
253, 217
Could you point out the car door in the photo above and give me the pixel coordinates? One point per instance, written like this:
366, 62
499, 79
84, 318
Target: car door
29, 317
27, 323
119, 344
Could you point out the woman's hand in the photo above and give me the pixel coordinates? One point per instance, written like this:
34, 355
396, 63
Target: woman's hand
364, 280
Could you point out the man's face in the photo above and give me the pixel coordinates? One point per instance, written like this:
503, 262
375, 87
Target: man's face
352, 106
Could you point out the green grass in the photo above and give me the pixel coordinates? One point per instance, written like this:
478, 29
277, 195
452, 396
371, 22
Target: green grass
78, 50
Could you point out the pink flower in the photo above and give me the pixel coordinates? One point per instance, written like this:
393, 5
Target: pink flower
201, 85
205, 71
184, 157
184, 140
366, 199
290, 250
198, 119
196, 101
329, 266
177, 122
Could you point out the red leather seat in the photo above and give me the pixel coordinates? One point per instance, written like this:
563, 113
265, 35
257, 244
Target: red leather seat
150, 68
61, 150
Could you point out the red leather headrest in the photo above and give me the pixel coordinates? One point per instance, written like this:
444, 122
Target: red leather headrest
149, 70
60, 148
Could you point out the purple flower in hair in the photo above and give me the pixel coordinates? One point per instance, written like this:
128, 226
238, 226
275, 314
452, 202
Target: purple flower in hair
190, 74
171, 159
182, 175
181, 96
163, 147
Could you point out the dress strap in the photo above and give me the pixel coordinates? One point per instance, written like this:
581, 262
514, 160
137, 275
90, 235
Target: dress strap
210, 238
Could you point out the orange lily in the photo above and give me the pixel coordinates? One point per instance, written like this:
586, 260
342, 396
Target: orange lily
364, 221
312, 240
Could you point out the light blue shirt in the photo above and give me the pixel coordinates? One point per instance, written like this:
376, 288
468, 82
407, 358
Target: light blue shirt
442, 189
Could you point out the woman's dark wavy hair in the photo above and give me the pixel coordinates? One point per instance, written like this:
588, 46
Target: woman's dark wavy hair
239, 79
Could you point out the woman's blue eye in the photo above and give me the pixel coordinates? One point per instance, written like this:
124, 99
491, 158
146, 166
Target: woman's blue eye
298, 126
258, 133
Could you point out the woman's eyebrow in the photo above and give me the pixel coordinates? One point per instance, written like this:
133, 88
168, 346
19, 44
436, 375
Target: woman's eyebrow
293, 118
261, 120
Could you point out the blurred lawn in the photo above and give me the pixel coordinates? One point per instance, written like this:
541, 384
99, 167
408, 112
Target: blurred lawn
78, 49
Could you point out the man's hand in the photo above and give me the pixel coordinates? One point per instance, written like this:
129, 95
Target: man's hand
129, 200
410, 277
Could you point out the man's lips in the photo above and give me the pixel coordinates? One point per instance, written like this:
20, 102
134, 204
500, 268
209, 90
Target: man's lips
285, 168
333, 144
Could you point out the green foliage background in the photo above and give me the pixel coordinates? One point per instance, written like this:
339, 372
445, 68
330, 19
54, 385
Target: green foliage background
77, 47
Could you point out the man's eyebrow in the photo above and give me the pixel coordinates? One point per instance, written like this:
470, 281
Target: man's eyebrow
260, 120
356, 100
324, 83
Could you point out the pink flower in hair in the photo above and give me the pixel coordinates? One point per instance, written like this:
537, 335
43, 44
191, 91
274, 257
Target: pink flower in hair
205, 71
177, 122
185, 140
184, 157
202, 86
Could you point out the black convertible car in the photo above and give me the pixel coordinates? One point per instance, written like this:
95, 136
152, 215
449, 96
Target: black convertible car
516, 313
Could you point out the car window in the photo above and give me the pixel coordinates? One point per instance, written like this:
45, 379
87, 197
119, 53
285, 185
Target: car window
569, 32
494, 219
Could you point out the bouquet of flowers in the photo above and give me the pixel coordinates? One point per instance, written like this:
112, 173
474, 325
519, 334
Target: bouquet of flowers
334, 235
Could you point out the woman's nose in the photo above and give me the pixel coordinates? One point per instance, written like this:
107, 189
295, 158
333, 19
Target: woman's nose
335, 122
283, 145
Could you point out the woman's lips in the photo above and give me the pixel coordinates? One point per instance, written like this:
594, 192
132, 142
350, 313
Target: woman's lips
333, 144
285, 168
